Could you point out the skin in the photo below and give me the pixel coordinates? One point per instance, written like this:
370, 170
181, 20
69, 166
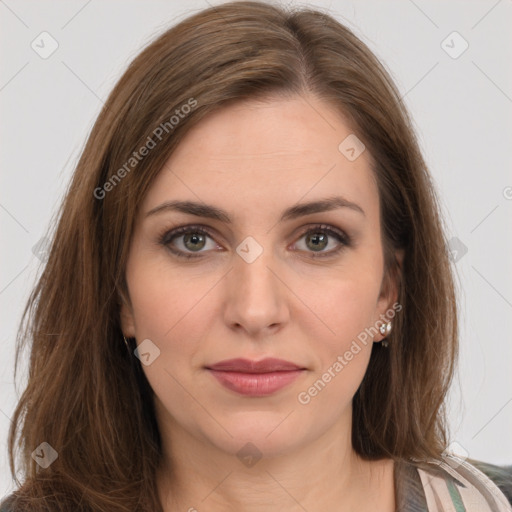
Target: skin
255, 159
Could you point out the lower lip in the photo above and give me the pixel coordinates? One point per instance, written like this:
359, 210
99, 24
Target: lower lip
255, 384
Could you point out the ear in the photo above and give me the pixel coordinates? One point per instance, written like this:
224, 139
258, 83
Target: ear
388, 297
126, 317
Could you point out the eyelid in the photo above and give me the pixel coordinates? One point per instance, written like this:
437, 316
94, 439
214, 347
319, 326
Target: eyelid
324, 227
170, 233
167, 235
344, 240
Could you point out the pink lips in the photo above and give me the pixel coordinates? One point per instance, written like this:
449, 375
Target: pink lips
255, 378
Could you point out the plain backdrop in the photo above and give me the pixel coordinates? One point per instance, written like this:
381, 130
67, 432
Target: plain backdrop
460, 99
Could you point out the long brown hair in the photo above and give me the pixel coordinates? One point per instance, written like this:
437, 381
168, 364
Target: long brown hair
86, 397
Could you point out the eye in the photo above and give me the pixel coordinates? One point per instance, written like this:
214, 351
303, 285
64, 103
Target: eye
318, 238
187, 240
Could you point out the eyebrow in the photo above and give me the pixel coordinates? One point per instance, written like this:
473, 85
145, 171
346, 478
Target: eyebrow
296, 211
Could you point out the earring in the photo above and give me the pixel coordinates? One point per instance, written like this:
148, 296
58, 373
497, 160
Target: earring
385, 329
126, 343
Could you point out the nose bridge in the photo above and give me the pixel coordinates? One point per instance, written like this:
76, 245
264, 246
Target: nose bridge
251, 271
256, 300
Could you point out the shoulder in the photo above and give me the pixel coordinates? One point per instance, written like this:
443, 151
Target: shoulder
477, 484
500, 475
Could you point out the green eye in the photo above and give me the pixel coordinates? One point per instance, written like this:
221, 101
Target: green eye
319, 237
189, 241
194, 239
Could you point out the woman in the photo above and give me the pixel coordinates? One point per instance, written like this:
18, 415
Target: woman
248, 304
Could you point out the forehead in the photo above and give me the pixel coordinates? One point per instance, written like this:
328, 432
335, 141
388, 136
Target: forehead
257, 157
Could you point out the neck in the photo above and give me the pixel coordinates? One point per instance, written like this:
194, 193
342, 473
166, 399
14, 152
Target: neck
325, 474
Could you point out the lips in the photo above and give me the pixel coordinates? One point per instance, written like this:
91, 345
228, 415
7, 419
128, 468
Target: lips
255, 378
247, 366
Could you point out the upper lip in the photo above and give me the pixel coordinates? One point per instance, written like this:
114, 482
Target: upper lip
267, 365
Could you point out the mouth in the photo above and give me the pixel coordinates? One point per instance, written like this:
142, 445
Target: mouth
255, 378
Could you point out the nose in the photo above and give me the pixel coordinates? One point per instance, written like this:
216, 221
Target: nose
256, 298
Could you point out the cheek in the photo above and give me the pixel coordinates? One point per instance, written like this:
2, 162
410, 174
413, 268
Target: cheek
157, 304
344, 301
350, 312
167, 310
352, 308
342, 351
170, 309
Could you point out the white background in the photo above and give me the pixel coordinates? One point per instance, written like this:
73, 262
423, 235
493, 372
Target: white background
461, 107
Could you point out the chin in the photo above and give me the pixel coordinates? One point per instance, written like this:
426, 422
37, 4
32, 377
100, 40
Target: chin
267, 434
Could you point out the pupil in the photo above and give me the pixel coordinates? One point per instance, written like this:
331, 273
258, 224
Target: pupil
319, 240
194, 239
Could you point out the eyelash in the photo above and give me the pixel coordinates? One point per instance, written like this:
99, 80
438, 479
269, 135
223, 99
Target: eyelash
167, 236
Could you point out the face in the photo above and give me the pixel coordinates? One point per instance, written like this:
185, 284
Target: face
247, 272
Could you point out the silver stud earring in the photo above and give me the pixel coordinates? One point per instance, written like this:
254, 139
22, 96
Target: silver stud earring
385, 329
